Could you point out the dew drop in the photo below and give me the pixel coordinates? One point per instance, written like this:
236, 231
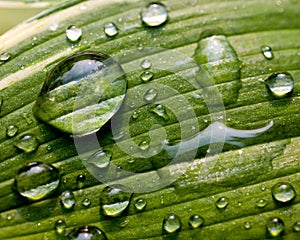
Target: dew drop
140, 204
296, 227
261, 203
150, 95
135, 115
283, 192
81, 93
196, 221
86, 202
146, 64
60, 227
247, 225
222, 203
80, 180
124, 223
4, 56
73, 33
172, 223
100, 159
27, 143
114, 200
146, 76
110, 29
9, 217
160, 111
11, 130
280, 84
154, 15
275, 227
86, 233
267, 52
144, 145
37, 180
67, 199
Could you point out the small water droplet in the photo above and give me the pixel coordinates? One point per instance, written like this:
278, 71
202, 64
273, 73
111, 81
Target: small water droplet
196, 221
296, 227
247, 225
110, 29
67, 199
140, 204
1, 102
37, 180
172, 223
9, 217
114, 200
135, 115
60, 227
27, 118
54, 26
86, 202
280, 84
150, 95
100, 159
144, 145
160, 111
73, 33
154, 15
86, 233
267, 52
283, 192
146, 76
80, 180
4, 56
275, 227
124, 223
222, 203
261, 203
146, 64
11, 131
27, 143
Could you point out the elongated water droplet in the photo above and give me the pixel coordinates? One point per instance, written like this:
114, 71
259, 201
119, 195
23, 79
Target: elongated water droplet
222, 203
140, 204
73, 33
172, 223
27, 143
81, 93
275, 227
86, 233
110, 29
80, 180
154, 15
11, 130
86, 202
150, 95
100, 159
60, 227
261, 203
146, 64
146, 76
196, 221
283, 192
296, 227
4, 56
114, 200
144, 145
160, 111
280, 84
247, 225
37, 180
67, 199
267, 52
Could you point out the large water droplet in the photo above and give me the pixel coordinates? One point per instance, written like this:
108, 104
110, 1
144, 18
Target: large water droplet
155, 14
60, 227
275, 227
222, 203
140, 204
114, 200
150, 95
82, 93
100, 159
172, 223
283, 192
296, 227
11, 130
146, 76
146, 64
4, 56
196, 221
37, 180
261, 203
27, 143
67, 199
280, 84
160, 111
73, 33
110, 29
86, 233
267, 52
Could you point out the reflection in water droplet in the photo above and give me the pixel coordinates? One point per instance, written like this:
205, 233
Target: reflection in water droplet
160, 111
114, 200
283, 192
150, 95
247, 225
60, 227
4, 56
73, 33
196, 221
11, 131
275, 227
86, 233
67, 199
146, 64
100, 159
80, 180
280, 84
140, 204
296, 227
222, 203
146, 76
172, 223
155, 14
267, 52
261, 203
110, 29
37, 180
27, 143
